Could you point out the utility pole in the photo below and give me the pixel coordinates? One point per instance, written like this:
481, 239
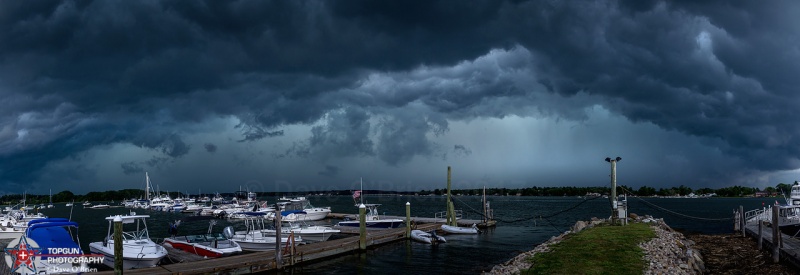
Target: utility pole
613, 188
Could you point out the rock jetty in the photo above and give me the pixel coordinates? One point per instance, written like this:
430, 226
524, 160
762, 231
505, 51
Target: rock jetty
668, 253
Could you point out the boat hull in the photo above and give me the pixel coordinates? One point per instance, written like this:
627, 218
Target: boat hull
385, 223
425, 237
202, 249
459, 230
129, 260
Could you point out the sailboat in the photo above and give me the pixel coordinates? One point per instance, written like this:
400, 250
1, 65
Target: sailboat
452, 226
51, 199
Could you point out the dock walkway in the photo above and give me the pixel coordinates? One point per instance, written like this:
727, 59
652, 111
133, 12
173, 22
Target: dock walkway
790, 247
416, 220
265, 261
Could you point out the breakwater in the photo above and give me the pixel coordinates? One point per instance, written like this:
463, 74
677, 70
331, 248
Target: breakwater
669, 252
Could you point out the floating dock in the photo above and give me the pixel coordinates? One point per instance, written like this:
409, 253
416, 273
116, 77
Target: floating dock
414, 220
265, 261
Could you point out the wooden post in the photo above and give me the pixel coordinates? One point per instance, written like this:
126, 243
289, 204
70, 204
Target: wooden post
362, 226
776, 248
408, 219
760, 234
278, 254
118, 245
744, 223
736, 220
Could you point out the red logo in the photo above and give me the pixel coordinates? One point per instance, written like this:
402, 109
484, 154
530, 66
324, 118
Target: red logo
22, 255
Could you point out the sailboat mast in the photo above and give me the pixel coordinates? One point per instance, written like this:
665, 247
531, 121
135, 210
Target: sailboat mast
484, 204
146, 186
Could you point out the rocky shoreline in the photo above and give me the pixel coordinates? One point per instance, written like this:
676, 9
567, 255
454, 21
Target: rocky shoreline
668, 253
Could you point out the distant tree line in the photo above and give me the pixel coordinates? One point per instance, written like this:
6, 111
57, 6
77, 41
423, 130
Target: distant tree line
118, 195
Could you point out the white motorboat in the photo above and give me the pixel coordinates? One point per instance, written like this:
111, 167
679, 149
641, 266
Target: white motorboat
310, 213
100, 206
213, 245
309, 233
138, 250
255, 238
460, 230
87, 203
425, 237
373, 219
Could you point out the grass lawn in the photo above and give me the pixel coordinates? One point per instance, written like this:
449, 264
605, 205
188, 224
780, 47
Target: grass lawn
597, 250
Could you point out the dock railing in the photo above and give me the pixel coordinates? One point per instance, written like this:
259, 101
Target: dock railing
443, 215
753, 216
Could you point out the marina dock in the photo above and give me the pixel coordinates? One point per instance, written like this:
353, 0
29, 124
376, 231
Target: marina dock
790, 247
265, 261
415, 220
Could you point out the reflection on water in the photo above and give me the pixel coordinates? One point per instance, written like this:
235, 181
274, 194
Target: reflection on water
519, 229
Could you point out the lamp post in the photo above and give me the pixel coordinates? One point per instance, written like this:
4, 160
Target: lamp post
613, 187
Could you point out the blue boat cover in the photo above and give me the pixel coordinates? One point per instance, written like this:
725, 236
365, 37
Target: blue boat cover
284, 213
52, 235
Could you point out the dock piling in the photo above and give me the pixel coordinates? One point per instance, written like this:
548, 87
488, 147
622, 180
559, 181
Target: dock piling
408, 219
362, 241
278, 260
776, 248
118, 245
760, 235
742, 226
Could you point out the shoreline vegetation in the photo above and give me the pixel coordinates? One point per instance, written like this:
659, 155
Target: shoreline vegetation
645, 246
560, 191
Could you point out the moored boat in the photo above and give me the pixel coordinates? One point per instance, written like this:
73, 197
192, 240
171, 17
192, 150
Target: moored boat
460, 230
213, 245
55, 237
374, 220
425, 237
138, 250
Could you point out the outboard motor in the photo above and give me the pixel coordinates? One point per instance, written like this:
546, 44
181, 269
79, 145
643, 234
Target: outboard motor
228, 232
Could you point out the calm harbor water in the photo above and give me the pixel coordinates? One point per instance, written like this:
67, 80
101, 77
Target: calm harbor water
519, 228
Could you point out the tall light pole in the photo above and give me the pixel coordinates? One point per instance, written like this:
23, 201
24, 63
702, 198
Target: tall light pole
613, 187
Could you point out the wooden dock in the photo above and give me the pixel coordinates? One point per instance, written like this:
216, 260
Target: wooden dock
415, 220
790, 247
265, 261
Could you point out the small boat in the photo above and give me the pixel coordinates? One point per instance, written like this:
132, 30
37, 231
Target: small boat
138, 250
460, 230
87, 203
373, 220
213, 245
50, 205
55, 233
304, 210
425, 237
309, 233
100, 206
255, 238
69, 204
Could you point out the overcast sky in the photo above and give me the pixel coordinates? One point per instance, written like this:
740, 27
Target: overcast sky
208, 96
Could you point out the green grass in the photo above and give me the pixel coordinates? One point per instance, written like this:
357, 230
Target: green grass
597, 250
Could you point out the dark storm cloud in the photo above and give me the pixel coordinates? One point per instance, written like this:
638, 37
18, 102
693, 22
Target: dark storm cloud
380, 77
329, 171
131, 168
210, 147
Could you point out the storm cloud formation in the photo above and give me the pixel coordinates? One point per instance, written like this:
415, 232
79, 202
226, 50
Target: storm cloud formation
380, 80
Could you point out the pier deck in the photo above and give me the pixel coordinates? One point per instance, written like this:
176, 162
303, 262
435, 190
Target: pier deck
416, 220
264, 261
790, 248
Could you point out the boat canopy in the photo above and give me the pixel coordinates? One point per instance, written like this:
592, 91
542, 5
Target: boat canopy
53, 235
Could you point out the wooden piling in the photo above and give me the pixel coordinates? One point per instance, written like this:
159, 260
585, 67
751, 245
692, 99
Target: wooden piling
776, 248
408, 220
760, 235
741, 215
362, 232
118, 245
278, 259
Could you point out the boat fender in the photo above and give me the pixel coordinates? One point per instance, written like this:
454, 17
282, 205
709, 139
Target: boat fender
375, 218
